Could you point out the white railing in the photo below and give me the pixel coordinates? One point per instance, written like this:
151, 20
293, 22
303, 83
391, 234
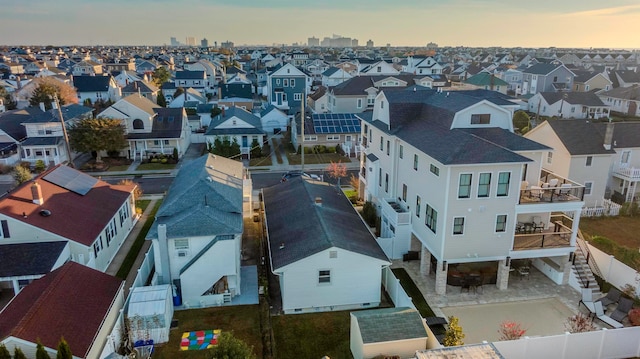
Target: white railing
616, 343
629, 172
392, 285
608, 208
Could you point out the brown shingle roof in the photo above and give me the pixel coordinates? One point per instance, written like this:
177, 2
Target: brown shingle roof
71, 301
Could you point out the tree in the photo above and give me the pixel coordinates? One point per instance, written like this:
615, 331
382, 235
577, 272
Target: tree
160, 75
454, 335
179, 91
40, 166
18, 354
336, 170
161, 101
256, 150
510, 330
4, 352
47, 87
22, 174
230, 347
41, 353
225, 147
521, 121
97, 134
215, 111
64, 352
9, 104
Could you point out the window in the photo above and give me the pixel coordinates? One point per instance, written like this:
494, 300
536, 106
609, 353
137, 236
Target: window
138, 124
277, 81
503, 184
624, 159
589, 160
359, 103
379, 69
404, 192
549, 157
381, 143
587, 188
4, 225
484, 185
310, 138
464, 187
324, 276
181, 243
458, 225
482, 119
381, 104
380, 177
292, 82
501, 223
386, 182
166, 142
388, 146
156, 143
418, 206
415, 162
333, 137
285, 82
401, 151
297, 96
432, 219
435, 170
97, 247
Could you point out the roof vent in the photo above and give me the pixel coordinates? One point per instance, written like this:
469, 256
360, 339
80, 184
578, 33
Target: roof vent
282, 245
45, 213
318, 201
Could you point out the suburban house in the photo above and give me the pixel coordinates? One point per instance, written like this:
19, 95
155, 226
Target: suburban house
588, 81
44, 138
22, 263
487, 81
329, 129
545, 77
126, 77
492, 205
625, 100
236, 88
334, 76
377, 68
273, 120
49, 207
422, 66
192, 79
86, 68
287, 88
318, 102
236, 124
322, 252
75, 302
579, 105
12, 132
513, 78
581, 153
197, 232
357, 94
624, 78
96, 88
143, 88
243, 103
186, 98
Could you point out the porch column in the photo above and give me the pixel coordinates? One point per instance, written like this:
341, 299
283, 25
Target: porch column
502, 281
16, 286
162, 146
425, 261
441, 278
574, 228
566, 268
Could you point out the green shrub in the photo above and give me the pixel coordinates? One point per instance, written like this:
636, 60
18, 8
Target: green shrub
331, 150
39, 166
154, 160
308, 150
164, 160
369, 213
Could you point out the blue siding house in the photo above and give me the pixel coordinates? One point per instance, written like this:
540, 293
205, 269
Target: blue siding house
286, 88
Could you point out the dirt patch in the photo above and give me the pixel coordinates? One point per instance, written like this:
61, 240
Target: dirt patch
621, 229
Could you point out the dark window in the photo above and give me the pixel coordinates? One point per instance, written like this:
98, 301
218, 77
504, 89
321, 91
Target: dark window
501, 223
484, 185
138, 124
589, 160
458, 225
503, 184
432, 218
480, 119
435, 170
464, 189
404, 192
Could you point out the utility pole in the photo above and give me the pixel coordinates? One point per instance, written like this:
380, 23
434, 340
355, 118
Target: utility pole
64, 131
302, 119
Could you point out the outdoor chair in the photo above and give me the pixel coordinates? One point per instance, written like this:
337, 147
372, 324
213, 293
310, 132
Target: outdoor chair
587, 301
524, 272
604, 318
553, 182
538, 225
623, 308
613, 296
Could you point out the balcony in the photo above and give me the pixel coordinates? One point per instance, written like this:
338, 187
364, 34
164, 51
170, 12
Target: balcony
551, 189
530, 235
625, 172
395, 212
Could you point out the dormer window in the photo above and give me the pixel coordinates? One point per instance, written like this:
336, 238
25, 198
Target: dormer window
480, 119
138, 124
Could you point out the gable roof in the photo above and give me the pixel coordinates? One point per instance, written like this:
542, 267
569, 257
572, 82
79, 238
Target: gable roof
71, 301
574, 98
23, 259
92, 83
243, 115
190, 75
305, 228
485, 79
626, 93
580, 137
140, 86
270, 108
95, 209
390, 324
11, 122
540, 69
140, 102
69, 112
205, 198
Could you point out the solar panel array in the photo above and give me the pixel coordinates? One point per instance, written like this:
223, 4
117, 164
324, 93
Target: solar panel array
336, 123
71, 180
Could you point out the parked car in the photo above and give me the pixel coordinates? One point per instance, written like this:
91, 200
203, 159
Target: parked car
292, 174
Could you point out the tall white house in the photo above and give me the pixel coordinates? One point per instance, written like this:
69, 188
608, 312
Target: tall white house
448, 176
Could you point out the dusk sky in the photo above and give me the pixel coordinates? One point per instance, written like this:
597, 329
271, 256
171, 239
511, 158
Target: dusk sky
508, 23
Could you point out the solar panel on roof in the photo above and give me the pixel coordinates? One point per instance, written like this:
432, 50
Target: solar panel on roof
71, 180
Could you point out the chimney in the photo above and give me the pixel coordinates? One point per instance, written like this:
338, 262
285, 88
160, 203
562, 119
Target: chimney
608, 136
223, 112
36, 193
42, 106
318, 201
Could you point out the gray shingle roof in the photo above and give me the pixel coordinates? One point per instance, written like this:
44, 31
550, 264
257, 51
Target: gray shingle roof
540, 69
581, 137
190, 75
204, 199
92, 83
390, 324
239, 113
574, 98
167, 123
42, 141
22, 259
293, 219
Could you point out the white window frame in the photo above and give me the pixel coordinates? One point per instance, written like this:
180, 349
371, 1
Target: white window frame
460, 226
589, 161
588, 188
481, 185
324, 276
460, 185
506, 194
504, 228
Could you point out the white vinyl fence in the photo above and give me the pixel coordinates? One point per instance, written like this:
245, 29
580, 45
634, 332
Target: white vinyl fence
607, 208
392, 285
614, 271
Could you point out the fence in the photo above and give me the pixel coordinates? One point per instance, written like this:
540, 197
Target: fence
392, 285
614, 271
608, 208
617, 343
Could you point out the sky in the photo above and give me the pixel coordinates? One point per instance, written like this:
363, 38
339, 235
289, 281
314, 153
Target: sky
477, 23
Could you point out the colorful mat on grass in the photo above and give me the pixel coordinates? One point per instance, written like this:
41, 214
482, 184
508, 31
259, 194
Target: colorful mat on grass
198, 340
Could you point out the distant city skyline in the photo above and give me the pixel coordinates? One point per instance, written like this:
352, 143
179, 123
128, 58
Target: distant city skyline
543, 23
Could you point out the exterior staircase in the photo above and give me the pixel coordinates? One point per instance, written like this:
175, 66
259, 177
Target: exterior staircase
583, 270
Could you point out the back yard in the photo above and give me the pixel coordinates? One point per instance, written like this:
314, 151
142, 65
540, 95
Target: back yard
615, 235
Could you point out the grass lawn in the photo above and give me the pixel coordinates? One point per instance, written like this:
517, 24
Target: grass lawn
142, 204
118, 168
155, 166
243, 321
312, 335
314, 158
416, 296
621, 229
260, 161
125, 268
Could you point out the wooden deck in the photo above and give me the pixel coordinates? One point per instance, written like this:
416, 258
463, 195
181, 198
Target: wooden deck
545, 239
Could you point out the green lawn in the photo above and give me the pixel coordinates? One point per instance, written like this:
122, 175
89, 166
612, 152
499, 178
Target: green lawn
260, 161
243, 321
118, 168
142, 204
313, 158
416, 296
312, 335
155, 166
615, 235
125, 268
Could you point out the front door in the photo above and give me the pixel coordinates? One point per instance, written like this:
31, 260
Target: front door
245, 141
